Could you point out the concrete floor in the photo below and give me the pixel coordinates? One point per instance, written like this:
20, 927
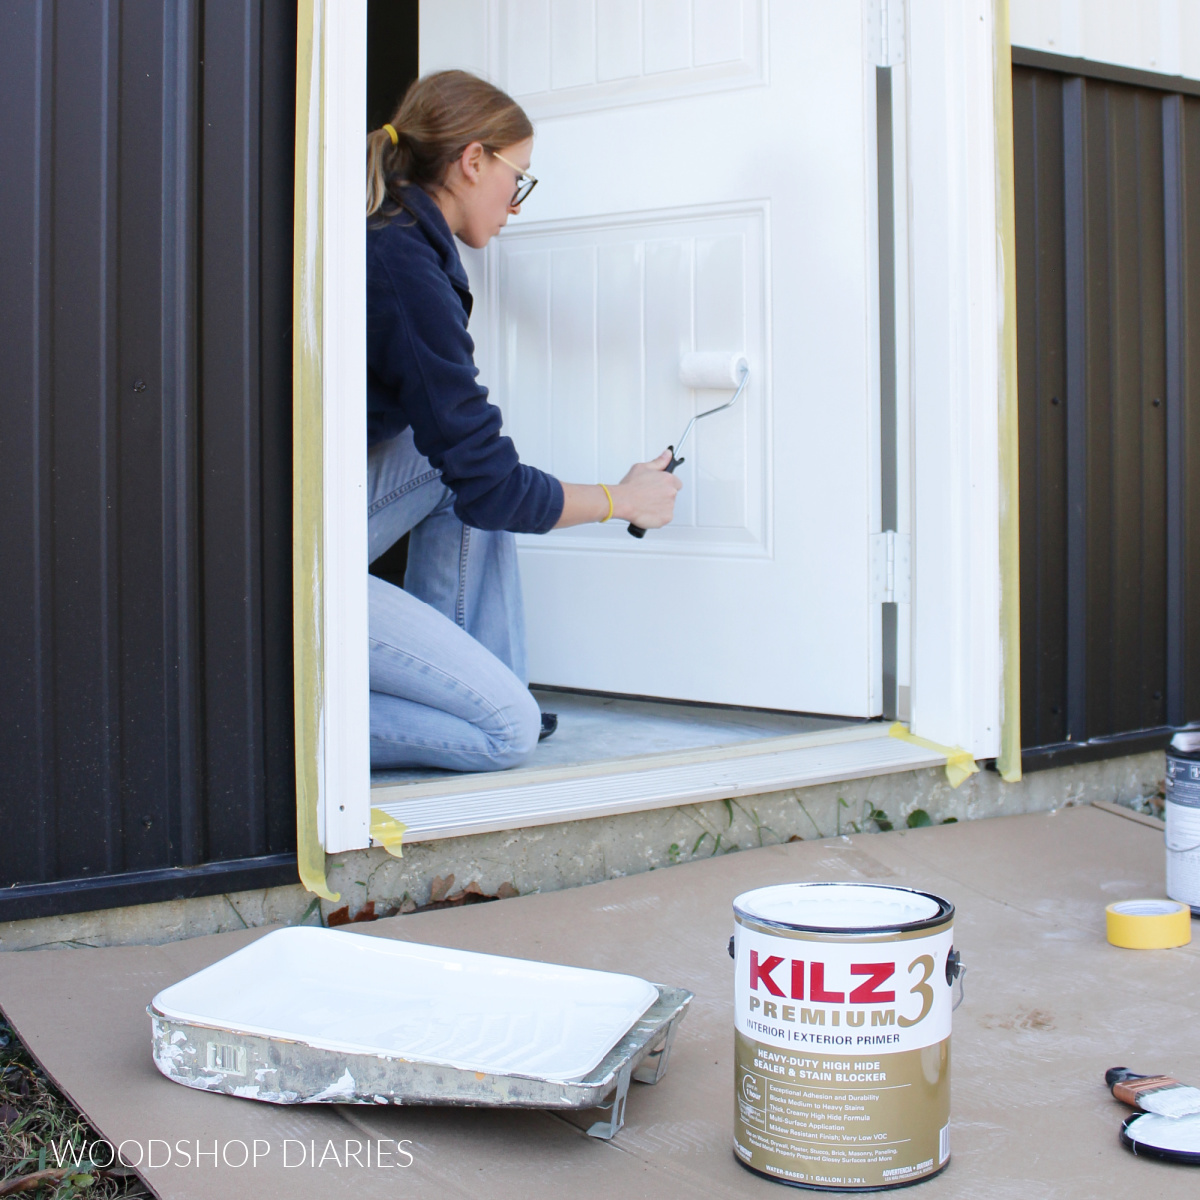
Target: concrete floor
597, 728
1049, 1006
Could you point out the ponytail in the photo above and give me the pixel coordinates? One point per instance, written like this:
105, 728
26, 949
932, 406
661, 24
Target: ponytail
384, 159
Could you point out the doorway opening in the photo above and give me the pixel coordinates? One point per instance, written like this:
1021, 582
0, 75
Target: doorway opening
707, 268
393, 62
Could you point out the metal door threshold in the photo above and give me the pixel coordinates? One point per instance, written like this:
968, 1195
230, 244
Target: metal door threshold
454, 806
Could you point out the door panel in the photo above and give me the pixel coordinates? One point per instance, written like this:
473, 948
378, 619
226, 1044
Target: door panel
571, 55
592, 321
705, 186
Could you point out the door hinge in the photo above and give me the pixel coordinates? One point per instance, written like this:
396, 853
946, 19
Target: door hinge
891, 570
886, 18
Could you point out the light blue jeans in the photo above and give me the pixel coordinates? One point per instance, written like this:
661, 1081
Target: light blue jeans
447, 657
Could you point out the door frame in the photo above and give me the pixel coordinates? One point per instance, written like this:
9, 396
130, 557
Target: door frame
951, 60
329, 438
959, 317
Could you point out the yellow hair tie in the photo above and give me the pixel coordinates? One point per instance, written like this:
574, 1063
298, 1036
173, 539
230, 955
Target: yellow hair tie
391, 129
610, 504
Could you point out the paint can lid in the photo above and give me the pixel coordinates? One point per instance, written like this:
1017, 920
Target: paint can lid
1186, 743
1171, 1139
843, 908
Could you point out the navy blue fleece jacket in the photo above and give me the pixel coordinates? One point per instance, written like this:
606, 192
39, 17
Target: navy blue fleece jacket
421, 372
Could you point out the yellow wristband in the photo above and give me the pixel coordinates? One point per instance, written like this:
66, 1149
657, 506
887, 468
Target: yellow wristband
610, 504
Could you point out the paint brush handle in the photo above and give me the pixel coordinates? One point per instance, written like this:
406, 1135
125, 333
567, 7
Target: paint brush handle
637, 530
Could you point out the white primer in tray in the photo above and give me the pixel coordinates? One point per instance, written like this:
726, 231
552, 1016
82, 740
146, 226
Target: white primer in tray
373, 995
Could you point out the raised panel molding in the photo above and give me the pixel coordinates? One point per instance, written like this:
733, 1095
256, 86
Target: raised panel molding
591, 319
561, 56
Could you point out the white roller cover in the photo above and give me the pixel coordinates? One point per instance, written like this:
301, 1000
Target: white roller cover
712, 369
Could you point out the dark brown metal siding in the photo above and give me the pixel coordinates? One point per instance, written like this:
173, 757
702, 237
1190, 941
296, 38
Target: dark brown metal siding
1041, 384
1108, 298
145, 653
1184, 417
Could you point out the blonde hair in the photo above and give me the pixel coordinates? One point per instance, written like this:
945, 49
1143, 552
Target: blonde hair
440, 116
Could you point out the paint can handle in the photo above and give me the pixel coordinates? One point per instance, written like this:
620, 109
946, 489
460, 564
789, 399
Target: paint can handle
956, 969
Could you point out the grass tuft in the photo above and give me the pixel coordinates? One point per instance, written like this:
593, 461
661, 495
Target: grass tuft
35, 1118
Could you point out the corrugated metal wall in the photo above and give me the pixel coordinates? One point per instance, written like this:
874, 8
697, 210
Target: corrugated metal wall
1108, 281
145, 359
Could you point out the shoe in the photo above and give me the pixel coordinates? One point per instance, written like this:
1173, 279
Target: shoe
549, 725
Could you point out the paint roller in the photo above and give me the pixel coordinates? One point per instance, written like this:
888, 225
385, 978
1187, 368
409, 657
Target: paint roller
709, 371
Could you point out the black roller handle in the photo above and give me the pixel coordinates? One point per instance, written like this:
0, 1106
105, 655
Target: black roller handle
637, 530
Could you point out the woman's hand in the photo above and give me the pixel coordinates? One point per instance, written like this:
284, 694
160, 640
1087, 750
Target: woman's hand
645, 497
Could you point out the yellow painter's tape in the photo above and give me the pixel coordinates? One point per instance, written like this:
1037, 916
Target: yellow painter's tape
959, 763
1148, 924
308, 620
387, 832
1008, 761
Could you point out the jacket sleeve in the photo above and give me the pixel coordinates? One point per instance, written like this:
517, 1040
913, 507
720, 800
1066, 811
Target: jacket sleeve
419, 349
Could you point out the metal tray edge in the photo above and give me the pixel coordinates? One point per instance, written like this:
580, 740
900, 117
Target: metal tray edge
280, 1071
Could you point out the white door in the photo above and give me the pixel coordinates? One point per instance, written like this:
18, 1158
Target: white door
705, 185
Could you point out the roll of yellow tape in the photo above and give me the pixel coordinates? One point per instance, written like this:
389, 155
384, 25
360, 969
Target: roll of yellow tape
1149, 924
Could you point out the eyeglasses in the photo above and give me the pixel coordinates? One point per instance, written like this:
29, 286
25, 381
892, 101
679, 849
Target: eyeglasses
525, 182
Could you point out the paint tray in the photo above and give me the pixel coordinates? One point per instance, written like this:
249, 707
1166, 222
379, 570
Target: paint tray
307, 1015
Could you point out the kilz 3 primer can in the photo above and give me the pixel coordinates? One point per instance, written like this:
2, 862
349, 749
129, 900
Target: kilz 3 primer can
842, 1042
